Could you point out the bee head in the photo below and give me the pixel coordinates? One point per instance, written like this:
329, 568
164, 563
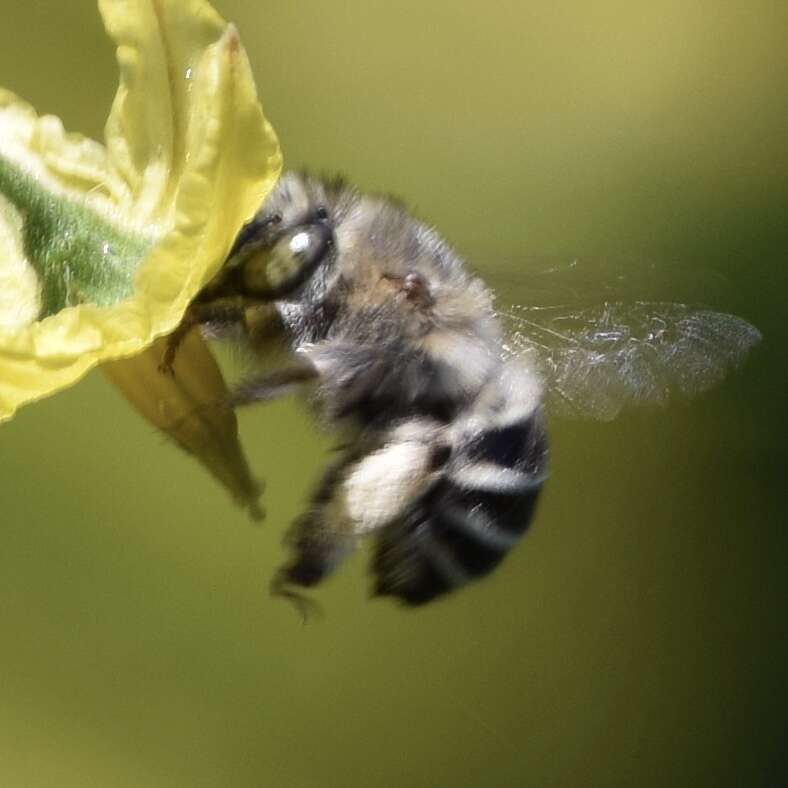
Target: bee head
287, 251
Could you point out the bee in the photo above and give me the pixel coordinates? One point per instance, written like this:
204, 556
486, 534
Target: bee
445, 450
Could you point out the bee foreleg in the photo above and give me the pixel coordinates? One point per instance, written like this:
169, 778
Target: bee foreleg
220, 310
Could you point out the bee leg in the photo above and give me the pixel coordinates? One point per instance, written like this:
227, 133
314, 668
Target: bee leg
273, 385
280, 587
220, 310
317, 540
314, 557
174, 341
317, 551
368, 488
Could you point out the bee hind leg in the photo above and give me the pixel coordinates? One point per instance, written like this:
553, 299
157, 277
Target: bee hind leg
317, 551
281, 587
318, 541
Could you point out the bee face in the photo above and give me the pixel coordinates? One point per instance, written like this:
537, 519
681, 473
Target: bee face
285, 244
291, 258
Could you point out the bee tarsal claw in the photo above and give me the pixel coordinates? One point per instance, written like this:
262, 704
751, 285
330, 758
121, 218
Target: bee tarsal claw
282, 588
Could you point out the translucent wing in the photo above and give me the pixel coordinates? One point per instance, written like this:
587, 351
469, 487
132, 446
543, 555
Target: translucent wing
599, 360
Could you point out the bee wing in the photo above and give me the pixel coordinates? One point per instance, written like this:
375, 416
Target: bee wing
599, 360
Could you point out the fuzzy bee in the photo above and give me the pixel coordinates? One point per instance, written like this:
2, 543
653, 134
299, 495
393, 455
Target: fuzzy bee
446, 450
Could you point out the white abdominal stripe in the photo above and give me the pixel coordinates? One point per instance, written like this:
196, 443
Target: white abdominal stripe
476, 524
464, 526
489, 477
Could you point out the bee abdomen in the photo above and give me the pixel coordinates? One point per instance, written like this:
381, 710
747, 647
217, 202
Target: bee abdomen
467, 523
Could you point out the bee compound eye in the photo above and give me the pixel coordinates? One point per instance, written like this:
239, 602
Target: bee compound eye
255, 274
276, 270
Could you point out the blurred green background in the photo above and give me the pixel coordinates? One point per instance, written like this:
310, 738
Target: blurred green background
637, 637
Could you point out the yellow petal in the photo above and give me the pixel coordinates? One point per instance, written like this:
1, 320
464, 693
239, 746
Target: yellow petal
187, 193
168, 59
65, 164
20, 292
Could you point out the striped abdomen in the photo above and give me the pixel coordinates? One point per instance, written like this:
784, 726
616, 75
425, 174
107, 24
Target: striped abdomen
470, 518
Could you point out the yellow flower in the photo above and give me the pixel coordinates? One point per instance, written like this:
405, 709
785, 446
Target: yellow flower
103, 247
